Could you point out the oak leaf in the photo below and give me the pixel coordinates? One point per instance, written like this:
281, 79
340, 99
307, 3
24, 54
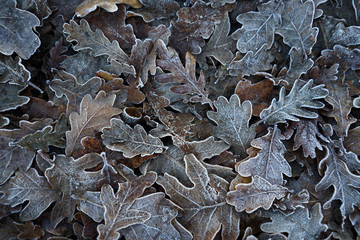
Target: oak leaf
13, 71
94, 115
204, 205
291, 106
118, 213
131, 142
17, 27
299, 225
39, 7
10, 97
232, 119
258, 193
109, 5
269, 163
29, 186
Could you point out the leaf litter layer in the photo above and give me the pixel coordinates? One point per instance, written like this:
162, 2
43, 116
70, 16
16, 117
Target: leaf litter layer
179, 119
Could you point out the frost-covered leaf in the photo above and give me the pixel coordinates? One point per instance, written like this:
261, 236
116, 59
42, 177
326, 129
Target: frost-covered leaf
94, 115
251, 63
160, 224
296, 28
345, 57
159, 9
12, 156
341, 103
293, 201
10, 98
291, 106
131, 142
13, 71
16, 27
66, 84
118, 214
69, 177
39, 7
96, 41
48, 136
204, 205
170, 61
232, 119
269, 163
220, 46
299, 225
258, 193
345, 183
258, 28
347, 36
306, 136
109, 5
29, 186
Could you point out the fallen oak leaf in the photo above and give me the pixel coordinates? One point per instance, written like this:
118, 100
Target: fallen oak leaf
89, 6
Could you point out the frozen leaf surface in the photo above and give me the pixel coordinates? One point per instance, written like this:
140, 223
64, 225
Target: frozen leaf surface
29, 186
10, 98
232, 119
258, 193
16, 27
205, 209
118, 214
13, 71
94, 115
269, 163
131, 142
299, 225
291, 106
258, 27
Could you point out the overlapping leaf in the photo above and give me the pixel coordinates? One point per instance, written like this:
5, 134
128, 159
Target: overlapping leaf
109, 5
94, 115
232, 119
13, 71
205, 209
131, 142
293, 105
269, 163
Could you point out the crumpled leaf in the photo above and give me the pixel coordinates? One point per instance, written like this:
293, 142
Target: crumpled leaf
342, 103
251, 63
94, 115
131, 142
38, 7
66, 84
292, 106
293, 201
232, 119
258, 193
306, 136
96, 41
299, 225
10, 98
344, 182
15, 23
347, 36
13, 71
269, 163
170, 61
29, 186
12, 156
296, 29
109, 5
69, 176
205, 209
258, 28
220, 45
118, 214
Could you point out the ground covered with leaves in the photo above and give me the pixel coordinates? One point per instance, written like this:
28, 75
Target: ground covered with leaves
179, 119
